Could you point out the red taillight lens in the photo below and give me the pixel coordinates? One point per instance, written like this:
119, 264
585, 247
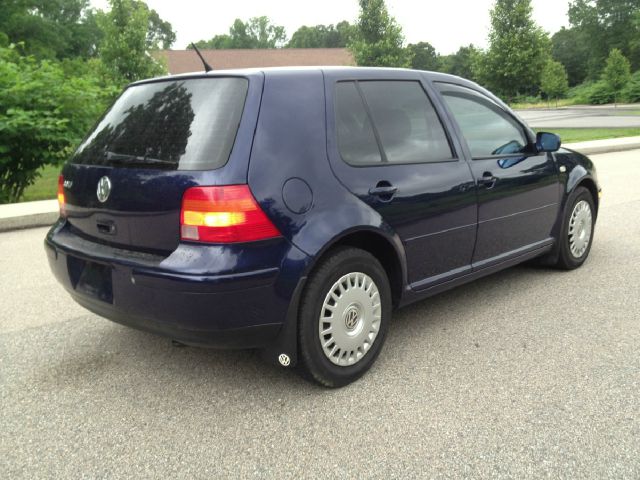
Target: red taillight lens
61, 201
225, 214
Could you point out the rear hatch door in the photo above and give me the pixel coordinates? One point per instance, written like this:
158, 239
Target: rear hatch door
124, 185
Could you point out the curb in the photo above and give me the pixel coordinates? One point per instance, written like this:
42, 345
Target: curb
17, 216
599, 150
45, 219
45, 213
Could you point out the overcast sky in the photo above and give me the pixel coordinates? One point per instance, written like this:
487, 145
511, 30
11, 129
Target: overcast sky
446, 24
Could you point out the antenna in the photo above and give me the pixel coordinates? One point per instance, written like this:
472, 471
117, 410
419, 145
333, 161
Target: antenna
207, 67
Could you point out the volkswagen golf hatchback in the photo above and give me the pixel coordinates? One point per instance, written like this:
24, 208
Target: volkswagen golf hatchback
292, 210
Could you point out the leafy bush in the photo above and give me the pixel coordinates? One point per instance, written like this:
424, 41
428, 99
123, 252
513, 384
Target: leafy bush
601, 93
631, 93
45, 110
594, 93
580, 93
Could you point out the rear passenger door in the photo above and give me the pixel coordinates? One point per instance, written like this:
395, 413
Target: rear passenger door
389, 146
518, 188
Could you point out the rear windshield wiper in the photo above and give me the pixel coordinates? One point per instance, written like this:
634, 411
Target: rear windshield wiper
125, 158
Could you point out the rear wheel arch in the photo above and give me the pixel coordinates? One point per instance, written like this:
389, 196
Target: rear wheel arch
381, 248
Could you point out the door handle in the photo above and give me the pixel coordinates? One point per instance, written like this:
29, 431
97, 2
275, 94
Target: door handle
383, 190
488, 180
106, 227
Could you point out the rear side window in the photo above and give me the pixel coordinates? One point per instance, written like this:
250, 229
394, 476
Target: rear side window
395, 123
356, 139
186, 125
487, 128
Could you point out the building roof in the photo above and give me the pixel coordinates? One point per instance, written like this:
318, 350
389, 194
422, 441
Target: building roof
183, 61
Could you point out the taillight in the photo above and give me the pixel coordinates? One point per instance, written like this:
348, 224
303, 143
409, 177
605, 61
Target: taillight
225, 214
61, 201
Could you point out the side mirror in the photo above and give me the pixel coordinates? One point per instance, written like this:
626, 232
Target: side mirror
547, 142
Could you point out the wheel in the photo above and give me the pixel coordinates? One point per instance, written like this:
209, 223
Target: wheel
576, 235
344, 315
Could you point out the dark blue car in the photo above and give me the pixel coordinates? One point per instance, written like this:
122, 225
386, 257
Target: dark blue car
292, 210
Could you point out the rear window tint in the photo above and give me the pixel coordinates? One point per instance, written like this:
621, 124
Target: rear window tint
185, 125
356, 140
391, 121
409, 128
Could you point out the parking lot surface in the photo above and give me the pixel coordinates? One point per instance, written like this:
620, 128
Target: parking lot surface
606, 116
528, 373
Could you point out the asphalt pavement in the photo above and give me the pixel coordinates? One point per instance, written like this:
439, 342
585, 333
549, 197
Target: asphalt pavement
584, 116
528, 373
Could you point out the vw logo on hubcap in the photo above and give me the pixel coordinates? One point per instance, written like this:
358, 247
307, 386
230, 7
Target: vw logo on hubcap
351, 317
104, 189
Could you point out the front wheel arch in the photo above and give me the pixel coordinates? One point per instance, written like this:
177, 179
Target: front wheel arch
590, 185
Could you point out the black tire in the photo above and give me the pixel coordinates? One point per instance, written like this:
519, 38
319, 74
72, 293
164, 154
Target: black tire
566, 259
313, 363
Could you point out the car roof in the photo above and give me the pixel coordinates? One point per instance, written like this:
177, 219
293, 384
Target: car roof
340, 71
267, 71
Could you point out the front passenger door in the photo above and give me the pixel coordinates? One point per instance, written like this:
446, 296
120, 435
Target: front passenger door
518, 188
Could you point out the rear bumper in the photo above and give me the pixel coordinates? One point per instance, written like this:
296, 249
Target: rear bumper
220, 296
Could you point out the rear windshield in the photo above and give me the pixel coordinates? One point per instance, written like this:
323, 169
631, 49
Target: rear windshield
182, 124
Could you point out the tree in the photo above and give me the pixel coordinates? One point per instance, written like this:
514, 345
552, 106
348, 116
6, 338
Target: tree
378, 40
257, 32
605, 25
44, 112
463, 63
518, 50
51, 28
160, 33
322, 36
554, 81
425, 57
569, 47
617, 73
347, 31
127, 42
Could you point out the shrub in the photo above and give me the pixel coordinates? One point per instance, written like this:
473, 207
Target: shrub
601, 93
594, 93
44, 112
631, 93
580, 93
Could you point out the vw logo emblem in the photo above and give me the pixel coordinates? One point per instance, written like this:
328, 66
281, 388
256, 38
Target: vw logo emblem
351, 317
104, 189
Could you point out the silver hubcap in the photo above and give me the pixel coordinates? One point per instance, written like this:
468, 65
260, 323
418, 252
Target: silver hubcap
580, 228
350, 319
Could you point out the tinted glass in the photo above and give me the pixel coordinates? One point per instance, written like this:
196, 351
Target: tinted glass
409, 128
488, 129
356, 140
186, 125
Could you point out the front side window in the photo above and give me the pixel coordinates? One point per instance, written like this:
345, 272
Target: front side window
388, 121
487, 128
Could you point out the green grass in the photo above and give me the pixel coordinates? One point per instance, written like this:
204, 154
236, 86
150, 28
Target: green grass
45, 187
573, 135
627, 113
